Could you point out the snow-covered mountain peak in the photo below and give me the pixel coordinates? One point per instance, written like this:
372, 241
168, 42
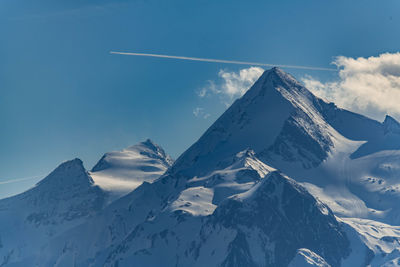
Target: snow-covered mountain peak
284, 212
274, 79
61, 201
150, 144
391, 125
277, 117
120, 172
262, 187
69, 188
128, 157
147, 145
68, 172
151, 149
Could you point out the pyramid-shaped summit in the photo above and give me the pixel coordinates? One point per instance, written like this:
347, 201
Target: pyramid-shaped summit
277, 118
69, 172
66, 195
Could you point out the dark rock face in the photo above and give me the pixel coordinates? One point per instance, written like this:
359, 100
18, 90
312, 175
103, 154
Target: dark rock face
239, 252
286, 215
295, 144
102, 164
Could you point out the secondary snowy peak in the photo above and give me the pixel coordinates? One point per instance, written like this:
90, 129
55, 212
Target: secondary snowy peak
120, 172
387, 137
69, 172
391, 125
284, 217
61, 201
277, 117
66, 194
126, 158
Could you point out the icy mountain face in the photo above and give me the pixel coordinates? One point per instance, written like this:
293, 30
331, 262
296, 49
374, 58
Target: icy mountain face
339, 155
276, 117
62, 200
120, 172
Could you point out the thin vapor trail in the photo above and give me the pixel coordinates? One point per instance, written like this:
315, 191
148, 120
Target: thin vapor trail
19, 179
222, 61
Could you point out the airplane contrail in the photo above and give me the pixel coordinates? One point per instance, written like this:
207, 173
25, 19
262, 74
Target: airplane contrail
20, 179
222, 61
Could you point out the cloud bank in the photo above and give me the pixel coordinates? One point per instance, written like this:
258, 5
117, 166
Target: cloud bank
370, 86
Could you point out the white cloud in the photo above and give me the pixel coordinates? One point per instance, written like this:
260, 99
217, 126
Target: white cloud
200, 113
236, 84
210, 88
366, 85
232, 84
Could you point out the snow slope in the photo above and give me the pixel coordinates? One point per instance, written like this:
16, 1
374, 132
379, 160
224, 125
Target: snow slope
62, 200
261, 226
120, 172
69, 196
335, 153
273, 115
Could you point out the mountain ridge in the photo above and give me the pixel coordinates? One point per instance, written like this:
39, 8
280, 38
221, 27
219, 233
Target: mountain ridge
282, 177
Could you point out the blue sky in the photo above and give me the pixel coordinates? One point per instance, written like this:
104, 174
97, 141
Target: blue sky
62, 95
